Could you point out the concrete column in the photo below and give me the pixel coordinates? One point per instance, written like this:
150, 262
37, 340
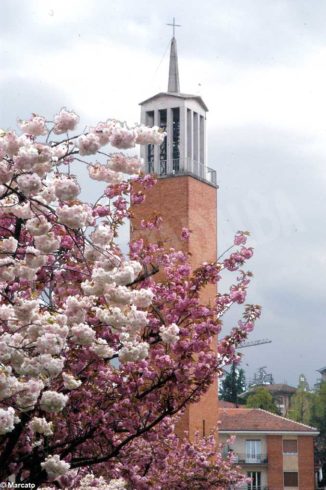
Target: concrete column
190, 154
156, 147
196, 142
205, 143
183, 137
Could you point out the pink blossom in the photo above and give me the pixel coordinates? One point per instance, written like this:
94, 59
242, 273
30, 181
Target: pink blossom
88, 144
123, 138
34, 126
65, 121
66, 188
240, 238
29, 184
185, 233
127, 165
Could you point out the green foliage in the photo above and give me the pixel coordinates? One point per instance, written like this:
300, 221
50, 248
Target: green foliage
302, 402
319, 408
261, 398
318, 420
233, 385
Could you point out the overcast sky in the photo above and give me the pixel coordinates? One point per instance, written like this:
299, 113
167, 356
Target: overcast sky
260, 66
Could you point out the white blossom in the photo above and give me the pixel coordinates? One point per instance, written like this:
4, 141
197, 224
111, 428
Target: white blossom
41, 426
8, 245
28, 396
70, 382
76, 216
170, 334
52, 401
48, 243
38, 226
102, 235
7, 420
142, 298
82, 334
55, 467
133, 351
102, 349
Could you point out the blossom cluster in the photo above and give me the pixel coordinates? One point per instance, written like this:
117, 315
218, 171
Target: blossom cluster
94, 352
54, 250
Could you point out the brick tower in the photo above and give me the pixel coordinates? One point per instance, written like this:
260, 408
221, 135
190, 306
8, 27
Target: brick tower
185, 196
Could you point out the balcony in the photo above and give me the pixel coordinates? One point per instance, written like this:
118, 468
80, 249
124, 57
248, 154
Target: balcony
183, 167
243, 459
250, 487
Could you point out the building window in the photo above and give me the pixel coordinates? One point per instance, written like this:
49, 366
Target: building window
290, 479
253, 451
150, 148
255, 483
163, 146
290, 446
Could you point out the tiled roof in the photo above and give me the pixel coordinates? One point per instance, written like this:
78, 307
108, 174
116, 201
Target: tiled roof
274, 389
256, 419
280, 388
224, 404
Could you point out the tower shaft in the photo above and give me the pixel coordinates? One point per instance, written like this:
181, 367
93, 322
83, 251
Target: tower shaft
184, 201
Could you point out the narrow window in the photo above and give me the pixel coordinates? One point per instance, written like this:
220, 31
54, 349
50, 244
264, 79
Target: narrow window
253, 451
163, 147
150, 148
176, 139
204, 427
255, 483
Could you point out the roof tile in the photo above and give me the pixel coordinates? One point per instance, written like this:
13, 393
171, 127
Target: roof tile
256, 419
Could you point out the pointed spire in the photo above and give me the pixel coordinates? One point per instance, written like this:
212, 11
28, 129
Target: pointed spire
173, 85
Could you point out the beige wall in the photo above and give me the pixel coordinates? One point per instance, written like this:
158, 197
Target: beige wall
239, 446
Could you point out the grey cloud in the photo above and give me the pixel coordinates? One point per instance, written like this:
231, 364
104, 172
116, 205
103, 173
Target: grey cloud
270, 181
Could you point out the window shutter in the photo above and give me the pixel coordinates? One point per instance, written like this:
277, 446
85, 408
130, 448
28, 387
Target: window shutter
290, 446
290, 479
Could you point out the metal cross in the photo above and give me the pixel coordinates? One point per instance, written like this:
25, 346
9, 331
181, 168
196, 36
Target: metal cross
174, 25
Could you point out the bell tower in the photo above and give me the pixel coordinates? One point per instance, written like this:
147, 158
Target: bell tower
183, 117
185, 196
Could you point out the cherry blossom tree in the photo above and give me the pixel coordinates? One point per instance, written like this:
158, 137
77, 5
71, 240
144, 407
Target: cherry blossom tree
97, 355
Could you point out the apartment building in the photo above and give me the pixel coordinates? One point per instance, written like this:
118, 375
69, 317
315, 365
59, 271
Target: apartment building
275, 452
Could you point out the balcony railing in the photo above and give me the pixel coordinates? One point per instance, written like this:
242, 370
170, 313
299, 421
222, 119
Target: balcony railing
183, 167
250, 487
250, 460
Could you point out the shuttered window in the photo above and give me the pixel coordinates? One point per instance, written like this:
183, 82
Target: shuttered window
290, 479
290, 446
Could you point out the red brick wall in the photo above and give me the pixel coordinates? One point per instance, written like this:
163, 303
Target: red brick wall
275, 462
306, 462
186, 202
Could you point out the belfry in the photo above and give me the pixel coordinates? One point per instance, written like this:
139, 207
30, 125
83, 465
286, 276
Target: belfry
185, 196
183, 117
